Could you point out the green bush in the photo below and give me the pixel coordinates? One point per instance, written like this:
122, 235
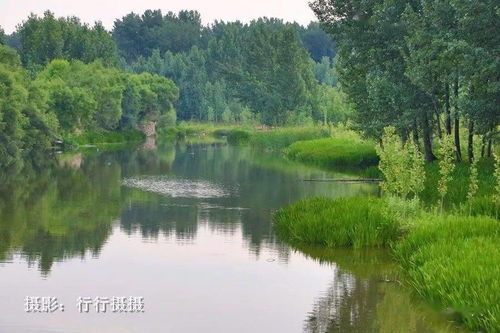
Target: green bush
333, 152
166, 121
356, 222
455, 262
281, 138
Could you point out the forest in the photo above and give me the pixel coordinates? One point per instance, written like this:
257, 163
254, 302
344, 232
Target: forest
89, 79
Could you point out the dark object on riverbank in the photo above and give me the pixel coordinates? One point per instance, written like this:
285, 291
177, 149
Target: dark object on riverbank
345, 180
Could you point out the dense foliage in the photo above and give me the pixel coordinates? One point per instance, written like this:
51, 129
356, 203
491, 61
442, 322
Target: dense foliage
426, 67
70, 97
234, 72
43, 39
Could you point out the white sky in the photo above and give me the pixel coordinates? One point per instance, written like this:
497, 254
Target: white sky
13, 12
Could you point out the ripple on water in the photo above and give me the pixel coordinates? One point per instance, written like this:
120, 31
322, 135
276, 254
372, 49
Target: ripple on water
177, 188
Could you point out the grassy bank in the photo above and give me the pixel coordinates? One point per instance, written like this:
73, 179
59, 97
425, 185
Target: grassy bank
334, 152
184, 129
451, 261
278, 139
454, 261
356, 222
103, 137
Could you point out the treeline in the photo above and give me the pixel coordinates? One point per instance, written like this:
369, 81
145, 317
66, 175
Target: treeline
262, 71
427, 67
266, 71
71, 97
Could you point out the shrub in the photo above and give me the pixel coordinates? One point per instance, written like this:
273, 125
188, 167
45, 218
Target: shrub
454, 261
166, 121
401, 164
356, 222
236, 137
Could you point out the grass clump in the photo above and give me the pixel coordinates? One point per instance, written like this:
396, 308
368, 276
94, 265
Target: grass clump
278, 139
237, 137
357, 222
455, 262
334, 152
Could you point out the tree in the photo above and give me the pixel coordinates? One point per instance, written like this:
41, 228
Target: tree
26, 123
43, 39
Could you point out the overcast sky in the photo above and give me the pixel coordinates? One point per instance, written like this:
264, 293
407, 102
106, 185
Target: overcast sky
13, 12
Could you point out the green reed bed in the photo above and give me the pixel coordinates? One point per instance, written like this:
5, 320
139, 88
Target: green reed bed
184, 129
334, 152
454, 261
104, 137
357, 222
278, 139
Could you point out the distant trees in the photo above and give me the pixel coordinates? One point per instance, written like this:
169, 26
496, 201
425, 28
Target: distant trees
426, 67
68, 77
71, 96
139, 35
262, 68
92, 96
42, 39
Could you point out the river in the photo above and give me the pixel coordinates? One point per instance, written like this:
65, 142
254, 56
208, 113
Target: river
185, 231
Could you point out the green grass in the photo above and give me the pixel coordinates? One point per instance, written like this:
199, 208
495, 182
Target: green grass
334, 152
454, 261
237, 137
278, 139
184, 129
459, 185
357, 222
104, 137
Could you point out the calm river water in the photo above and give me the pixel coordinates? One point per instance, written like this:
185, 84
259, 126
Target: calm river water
187, 227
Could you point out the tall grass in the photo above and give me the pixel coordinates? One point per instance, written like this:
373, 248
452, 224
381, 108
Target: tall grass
334, 152
105, 137
184, 129
357, 222
458, 187
455, 262
278, 139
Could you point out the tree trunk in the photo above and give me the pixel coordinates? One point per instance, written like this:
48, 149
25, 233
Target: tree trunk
416, 140
470, 141
457, 139
447, 109
429, 155
489, 146
457, 121
438, 122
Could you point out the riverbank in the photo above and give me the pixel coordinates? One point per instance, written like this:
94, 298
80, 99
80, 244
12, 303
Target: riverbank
102, 139
451, 261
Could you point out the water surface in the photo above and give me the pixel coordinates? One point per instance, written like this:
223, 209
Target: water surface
187, 227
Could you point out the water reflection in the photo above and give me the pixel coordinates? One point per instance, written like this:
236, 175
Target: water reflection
365, 296
65, 209
77, 207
